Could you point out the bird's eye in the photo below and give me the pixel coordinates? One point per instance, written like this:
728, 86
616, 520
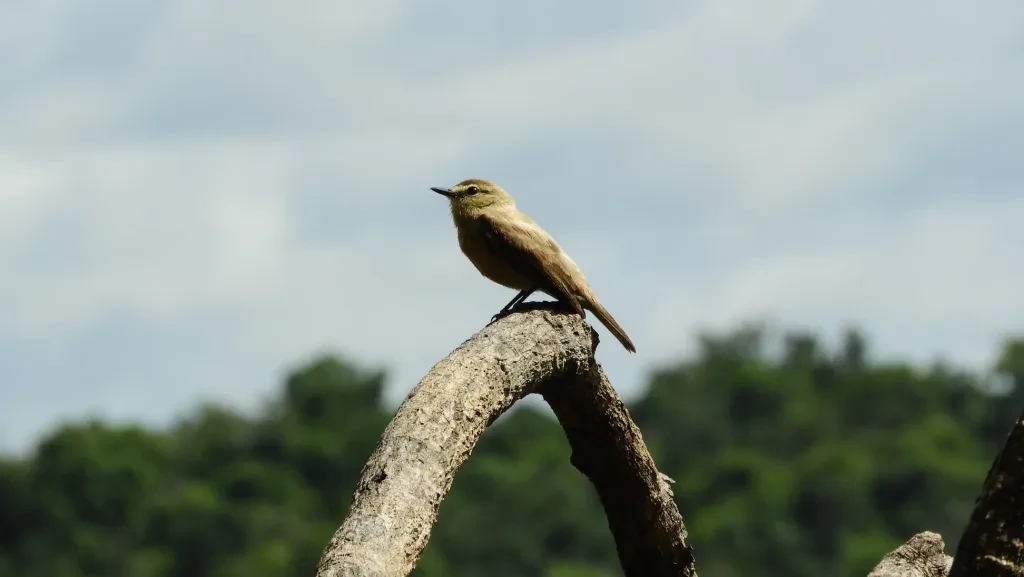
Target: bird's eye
472, 190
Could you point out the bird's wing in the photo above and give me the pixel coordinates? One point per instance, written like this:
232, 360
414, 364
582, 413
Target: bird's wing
531, 251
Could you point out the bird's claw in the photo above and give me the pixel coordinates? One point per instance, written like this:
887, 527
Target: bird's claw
502, 314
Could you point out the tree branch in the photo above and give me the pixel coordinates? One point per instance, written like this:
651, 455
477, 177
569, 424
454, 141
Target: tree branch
538, 350
434, 431
922, 556
607, 447
992, 545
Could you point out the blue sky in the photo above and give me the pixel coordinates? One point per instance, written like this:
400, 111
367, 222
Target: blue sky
196, 196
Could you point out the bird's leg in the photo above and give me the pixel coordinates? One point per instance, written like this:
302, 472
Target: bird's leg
522, 296
518, 300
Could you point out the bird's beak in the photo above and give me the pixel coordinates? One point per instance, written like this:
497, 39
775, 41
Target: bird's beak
445, 191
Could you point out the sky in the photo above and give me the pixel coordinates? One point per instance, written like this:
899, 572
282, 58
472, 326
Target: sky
197, 197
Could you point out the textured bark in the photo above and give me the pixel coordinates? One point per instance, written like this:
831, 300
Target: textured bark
607, 447
922, 556
539, 350
434, 431
993, 542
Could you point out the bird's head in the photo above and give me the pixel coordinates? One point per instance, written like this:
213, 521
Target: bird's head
475, 194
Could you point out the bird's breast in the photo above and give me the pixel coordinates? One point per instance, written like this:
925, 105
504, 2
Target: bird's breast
475, 247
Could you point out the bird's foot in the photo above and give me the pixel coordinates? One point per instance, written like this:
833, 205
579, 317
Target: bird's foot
556, 305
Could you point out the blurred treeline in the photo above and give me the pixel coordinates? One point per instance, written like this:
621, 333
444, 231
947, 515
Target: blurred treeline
790, 459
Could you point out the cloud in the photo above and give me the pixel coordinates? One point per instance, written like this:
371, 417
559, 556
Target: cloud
932, 282
194, 195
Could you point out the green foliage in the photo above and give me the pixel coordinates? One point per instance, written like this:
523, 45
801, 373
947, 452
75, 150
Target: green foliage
804, 462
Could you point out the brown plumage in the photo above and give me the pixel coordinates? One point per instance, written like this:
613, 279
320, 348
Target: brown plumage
509, 248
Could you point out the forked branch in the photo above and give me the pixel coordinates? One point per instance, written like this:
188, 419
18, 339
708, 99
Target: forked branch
540, 350
536, 350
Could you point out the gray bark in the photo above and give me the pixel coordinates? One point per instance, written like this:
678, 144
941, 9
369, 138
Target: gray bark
922, 556
993, 542
544, 351
537, 350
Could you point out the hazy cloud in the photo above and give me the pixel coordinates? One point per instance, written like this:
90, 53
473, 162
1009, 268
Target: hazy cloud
195, 195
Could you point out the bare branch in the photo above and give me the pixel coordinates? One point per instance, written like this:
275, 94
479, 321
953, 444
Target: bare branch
922, 556
434, 431
992, 545
607, 447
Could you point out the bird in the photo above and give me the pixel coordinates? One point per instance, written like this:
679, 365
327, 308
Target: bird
507, 247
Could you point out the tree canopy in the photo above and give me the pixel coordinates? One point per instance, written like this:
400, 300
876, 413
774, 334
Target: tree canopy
790, 458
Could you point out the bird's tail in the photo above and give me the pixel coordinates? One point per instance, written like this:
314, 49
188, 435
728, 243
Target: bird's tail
608, 321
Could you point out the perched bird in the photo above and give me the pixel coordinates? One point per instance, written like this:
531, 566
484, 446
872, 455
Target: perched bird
509, 248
